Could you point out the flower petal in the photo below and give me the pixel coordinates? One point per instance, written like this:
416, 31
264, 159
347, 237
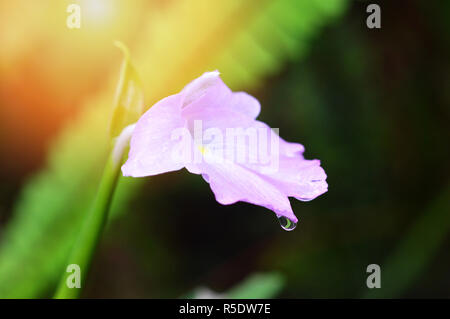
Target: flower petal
209, 91
299, 178
246, 104
231, 183
254, 177
280, 163
224, 119
152, 143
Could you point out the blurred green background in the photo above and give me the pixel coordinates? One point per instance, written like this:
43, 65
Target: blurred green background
372, 104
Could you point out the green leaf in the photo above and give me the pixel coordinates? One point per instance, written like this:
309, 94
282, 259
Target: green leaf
245, 40
129, 101
256, 286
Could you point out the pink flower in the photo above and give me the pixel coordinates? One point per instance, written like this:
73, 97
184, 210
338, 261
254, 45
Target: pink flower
192, 129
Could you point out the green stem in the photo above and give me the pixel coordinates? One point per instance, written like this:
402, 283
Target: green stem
89, 237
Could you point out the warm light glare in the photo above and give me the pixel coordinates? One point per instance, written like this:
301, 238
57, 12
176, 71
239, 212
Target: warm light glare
98, 11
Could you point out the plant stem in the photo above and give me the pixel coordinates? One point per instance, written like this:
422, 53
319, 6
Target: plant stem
89, 237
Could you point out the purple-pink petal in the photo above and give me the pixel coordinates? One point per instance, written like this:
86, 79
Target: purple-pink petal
151, 144
231, 183
208, 105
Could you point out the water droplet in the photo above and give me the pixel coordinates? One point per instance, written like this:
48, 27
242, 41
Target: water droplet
286, 223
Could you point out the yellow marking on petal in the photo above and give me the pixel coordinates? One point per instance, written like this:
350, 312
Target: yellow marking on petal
202, 149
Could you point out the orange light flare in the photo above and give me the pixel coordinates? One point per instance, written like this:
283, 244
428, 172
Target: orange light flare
47, 69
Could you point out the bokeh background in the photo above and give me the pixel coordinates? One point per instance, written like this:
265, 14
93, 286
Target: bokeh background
372, 104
